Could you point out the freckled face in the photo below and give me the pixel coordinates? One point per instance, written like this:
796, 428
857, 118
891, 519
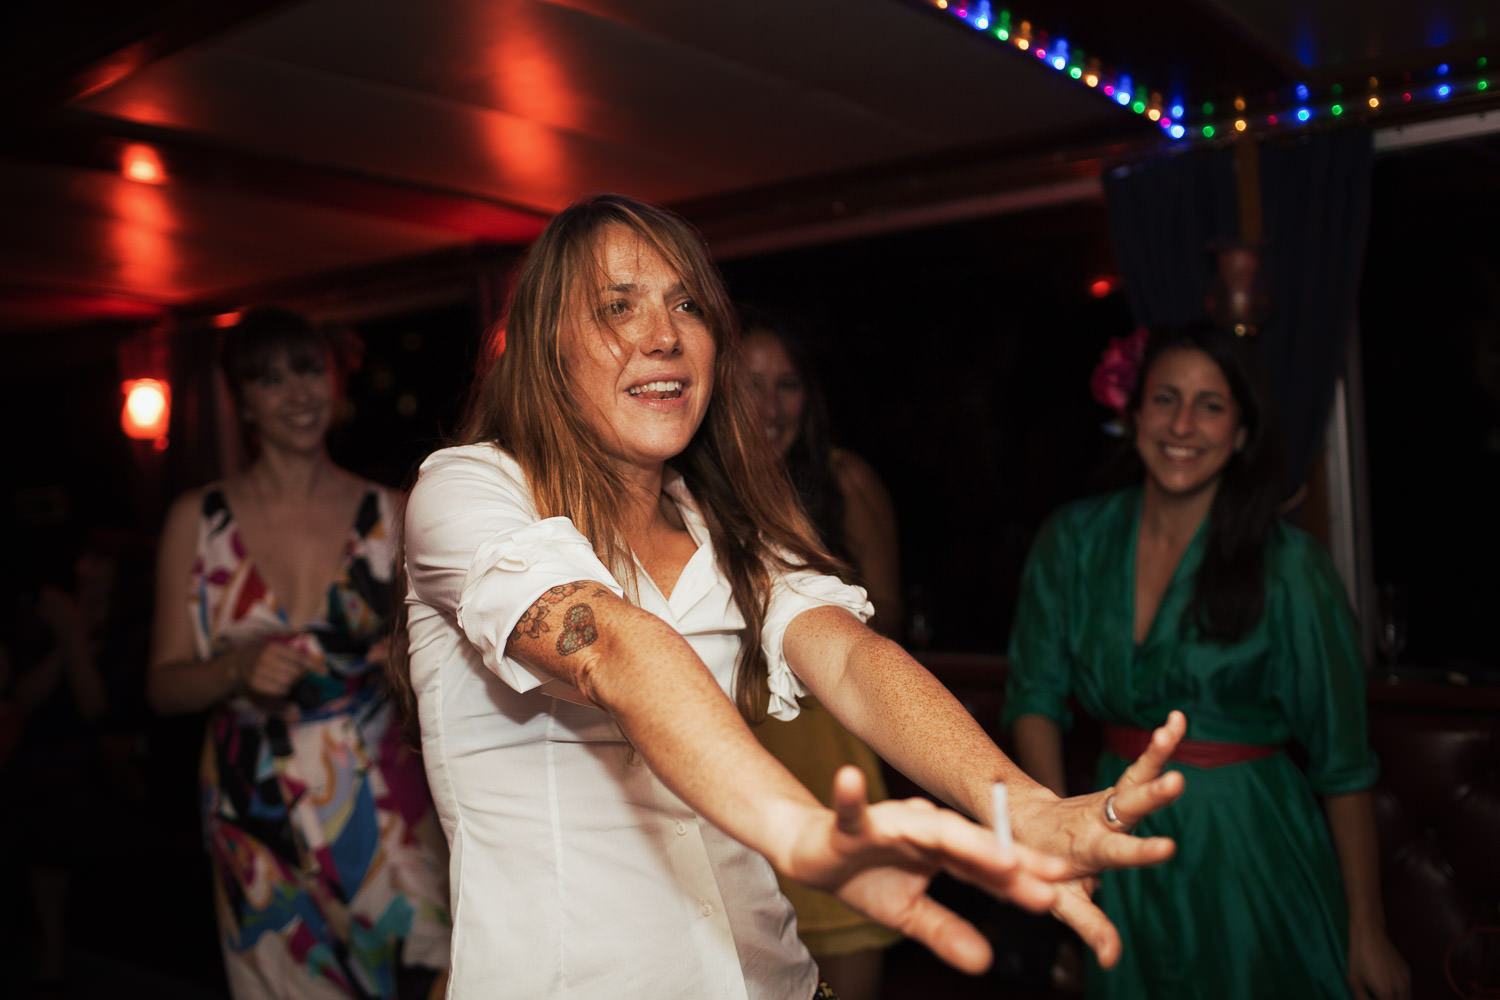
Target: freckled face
1188, 425
780, 394
638, 354
291, 410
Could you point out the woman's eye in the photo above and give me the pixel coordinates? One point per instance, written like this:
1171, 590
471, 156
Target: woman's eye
789, 385
689, 306
615, 309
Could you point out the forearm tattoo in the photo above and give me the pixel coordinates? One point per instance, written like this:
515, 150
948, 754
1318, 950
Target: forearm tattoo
578, 629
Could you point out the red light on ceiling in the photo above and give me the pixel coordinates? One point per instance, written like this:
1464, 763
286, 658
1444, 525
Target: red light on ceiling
1100, 287
140, 163
148, 406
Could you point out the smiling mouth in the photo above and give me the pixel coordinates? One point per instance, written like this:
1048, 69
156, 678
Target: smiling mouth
656, 390
1179, 453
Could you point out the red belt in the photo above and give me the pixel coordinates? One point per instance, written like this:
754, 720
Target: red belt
1131, 741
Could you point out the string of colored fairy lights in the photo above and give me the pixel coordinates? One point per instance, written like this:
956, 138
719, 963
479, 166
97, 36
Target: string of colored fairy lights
1292, 107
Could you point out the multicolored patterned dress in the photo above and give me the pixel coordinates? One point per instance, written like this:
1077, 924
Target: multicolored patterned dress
329, 864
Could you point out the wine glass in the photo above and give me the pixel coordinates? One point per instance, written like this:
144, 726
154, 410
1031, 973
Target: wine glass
1391, 634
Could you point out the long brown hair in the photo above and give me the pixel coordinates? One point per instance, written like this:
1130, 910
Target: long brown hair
523, 402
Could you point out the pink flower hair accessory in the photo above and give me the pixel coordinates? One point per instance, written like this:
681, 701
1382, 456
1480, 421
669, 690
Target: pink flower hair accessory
1116, 373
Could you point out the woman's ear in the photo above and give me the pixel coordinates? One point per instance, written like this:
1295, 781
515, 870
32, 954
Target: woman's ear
1240, 437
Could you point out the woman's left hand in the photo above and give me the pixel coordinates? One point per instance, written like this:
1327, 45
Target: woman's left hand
1077, 830
1376, 970
881, 858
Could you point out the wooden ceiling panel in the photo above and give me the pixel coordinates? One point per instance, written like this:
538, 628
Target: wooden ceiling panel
175, 245
623, 98
307, 138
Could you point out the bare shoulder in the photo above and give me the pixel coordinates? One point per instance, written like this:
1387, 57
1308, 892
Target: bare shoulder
179, 533
856, 476
186, 509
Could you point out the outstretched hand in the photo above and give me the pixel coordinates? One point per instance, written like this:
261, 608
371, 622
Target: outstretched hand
880, 859
1076, 830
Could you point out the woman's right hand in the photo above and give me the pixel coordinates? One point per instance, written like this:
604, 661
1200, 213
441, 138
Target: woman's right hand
270, 669
881, 858
1076, 829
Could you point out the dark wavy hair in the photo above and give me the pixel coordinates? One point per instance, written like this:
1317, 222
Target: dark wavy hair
266, 333
1229, 591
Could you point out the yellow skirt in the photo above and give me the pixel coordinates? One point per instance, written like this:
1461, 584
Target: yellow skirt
813, 746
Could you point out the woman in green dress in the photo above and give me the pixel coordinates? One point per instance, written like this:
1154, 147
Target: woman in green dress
1187, 592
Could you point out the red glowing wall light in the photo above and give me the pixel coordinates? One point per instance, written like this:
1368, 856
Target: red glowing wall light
148, 407
1100, 287
140, 163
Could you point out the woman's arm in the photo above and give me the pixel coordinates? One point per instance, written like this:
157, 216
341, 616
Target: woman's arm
179, 682
870, 533
910, 719
1376, 970
1039, 750
879, 858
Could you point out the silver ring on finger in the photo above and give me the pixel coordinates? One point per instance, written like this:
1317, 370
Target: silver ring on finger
1110, 816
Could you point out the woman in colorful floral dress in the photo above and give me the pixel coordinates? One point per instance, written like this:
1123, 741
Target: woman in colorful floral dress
273, 596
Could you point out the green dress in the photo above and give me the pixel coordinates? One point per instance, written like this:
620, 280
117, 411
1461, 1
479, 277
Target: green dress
1252, 903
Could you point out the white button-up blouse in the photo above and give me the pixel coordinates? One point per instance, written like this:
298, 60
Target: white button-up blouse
575, 872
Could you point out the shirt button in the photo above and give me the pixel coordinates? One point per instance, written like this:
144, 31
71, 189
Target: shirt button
682, 829
708, 908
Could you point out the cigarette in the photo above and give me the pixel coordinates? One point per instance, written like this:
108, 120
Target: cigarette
1002, 815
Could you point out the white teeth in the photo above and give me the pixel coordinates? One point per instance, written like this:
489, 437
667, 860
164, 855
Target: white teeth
636, 390
1179, 452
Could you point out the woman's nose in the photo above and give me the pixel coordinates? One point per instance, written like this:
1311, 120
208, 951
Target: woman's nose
661, 335
765, 403
1182, 421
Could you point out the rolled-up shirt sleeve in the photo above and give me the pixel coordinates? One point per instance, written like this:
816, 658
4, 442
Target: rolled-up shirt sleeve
478, 553
791, 594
